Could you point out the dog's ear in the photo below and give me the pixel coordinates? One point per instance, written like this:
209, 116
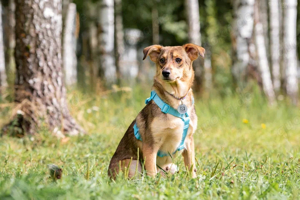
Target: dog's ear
153, 51
194, 51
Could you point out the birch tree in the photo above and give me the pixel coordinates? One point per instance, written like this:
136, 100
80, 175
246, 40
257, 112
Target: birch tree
275, 46
131, 68
242, 34
193, 17
263, 18
106, 41
39, 87
2, 58
69, 56
262, 57
289, 51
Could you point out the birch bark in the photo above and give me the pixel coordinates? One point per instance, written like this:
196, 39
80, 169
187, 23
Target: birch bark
193, 16
106, 41
69, 56
262, 57
289, 52
242, 34
275, 47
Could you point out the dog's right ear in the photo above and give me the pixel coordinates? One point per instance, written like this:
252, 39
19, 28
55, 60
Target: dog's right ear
194, 51
153, 51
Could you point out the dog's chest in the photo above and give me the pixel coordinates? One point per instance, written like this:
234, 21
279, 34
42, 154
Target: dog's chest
167, 131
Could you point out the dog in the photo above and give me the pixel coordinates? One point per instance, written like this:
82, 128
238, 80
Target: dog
165, 126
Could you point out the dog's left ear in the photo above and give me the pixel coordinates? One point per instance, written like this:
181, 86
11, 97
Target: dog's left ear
153, 51
194, 51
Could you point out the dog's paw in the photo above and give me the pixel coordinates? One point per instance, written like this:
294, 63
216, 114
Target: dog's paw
171, 168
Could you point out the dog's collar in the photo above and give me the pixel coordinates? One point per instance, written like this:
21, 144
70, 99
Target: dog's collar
178, 98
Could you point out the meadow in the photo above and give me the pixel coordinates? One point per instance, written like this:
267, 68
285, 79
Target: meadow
245, 149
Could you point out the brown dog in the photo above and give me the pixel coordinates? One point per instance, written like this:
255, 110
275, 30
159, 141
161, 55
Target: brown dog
162, 133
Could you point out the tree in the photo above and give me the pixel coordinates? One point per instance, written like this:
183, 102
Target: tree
69, 53
193, 16
262, 57
119, 37
275, 46
289, 51
9, 35
242, 34
155, 23
39, 86
2, 58
106, 41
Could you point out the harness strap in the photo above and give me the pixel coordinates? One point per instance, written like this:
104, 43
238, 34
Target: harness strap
167, 109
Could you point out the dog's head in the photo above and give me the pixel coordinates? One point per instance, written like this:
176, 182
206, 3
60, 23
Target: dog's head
174, 64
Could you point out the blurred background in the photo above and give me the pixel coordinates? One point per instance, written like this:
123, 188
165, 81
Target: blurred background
249, 43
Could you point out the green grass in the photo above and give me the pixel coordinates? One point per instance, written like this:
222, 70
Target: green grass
235, 159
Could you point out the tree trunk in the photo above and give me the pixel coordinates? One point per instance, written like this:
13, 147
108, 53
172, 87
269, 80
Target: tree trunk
106, 41
213, 49
155, 23
275, 47
9, 38
39, 86
262, 57
131, 67
263, 18
69, 53
208, 71
193, 16
119, 37
2, 58
90, 47
242, 34
290, 56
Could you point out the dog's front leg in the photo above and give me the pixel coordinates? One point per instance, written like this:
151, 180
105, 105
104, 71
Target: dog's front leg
189, 156
150, 154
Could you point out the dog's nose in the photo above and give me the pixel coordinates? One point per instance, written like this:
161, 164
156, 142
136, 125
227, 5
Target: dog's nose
166, 73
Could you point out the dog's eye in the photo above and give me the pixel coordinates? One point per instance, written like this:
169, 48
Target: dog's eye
178, 60
162, 60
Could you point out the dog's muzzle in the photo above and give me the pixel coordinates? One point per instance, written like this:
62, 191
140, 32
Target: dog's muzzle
166, 73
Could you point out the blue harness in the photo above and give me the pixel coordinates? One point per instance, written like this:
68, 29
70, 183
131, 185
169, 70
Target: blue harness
165, 108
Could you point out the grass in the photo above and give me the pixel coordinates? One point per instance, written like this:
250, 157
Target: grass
244, 150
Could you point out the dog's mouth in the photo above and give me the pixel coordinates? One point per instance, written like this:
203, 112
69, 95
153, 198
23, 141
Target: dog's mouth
170, 80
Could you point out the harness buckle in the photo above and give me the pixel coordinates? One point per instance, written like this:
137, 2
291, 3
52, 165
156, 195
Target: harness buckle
153, 94
165, 108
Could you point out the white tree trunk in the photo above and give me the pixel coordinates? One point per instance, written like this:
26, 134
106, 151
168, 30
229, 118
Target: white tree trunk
193, 21
70, 59
263, 18
130, 62
242, 33
2, 58
262, 58
290, 57
106, 41
193, 17
275, 46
